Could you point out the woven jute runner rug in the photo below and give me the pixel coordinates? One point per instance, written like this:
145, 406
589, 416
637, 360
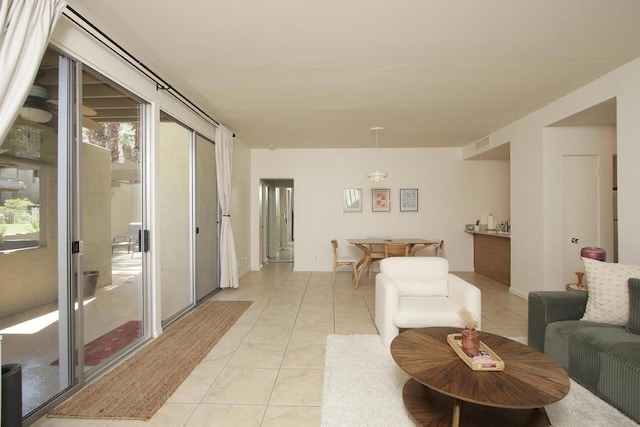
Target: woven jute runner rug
140, 385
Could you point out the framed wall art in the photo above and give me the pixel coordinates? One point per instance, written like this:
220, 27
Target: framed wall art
408, 200
380, 200
352, 200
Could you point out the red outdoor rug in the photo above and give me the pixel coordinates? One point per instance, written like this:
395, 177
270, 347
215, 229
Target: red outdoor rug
110, 343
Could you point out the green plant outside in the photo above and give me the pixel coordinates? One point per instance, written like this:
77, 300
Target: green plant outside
17, 212
11, 229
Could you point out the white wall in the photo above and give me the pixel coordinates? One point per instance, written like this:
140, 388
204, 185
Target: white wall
532, 205
451, 193
241, 197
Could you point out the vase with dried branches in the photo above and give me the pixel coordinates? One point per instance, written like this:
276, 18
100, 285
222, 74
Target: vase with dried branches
470, 336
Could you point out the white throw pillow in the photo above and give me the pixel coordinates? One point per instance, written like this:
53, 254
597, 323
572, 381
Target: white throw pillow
608, 300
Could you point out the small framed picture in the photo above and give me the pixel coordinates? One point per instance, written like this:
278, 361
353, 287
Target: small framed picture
408, 200
352, 200
380, 200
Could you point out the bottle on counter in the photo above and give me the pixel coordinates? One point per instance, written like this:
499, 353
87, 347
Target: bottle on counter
491, 223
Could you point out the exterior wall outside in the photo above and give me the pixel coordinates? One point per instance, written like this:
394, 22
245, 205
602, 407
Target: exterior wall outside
126, 207
96, 208
451, 193
26, 280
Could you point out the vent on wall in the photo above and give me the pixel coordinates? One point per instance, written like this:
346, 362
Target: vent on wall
483, 143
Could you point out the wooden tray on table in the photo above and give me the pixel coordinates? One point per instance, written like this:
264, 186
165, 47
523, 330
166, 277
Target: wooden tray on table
493, 363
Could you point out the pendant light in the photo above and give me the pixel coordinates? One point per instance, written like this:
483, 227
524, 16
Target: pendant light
378, 175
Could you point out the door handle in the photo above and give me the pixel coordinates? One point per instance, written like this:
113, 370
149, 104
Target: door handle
575, 240
143, 240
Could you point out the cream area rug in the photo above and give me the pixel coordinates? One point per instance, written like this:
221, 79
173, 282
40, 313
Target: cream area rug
363, 387
139, 386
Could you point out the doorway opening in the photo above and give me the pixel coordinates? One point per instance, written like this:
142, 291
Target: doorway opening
277, 220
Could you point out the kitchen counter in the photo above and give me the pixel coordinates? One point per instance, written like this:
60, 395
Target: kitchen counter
490, 233
492, 255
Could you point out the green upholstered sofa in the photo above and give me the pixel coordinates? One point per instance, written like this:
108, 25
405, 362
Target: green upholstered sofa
603, 358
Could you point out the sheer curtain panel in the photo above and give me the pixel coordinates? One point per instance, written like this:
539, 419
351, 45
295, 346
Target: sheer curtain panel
26, 26
224, 159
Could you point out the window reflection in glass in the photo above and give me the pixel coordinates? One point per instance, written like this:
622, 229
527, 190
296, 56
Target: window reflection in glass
26, 154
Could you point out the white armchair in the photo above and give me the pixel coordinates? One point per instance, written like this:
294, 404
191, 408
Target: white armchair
416, 292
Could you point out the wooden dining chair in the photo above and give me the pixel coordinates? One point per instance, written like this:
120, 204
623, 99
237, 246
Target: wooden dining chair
433, 249
340, 260
377, 252
396, 249
421, 249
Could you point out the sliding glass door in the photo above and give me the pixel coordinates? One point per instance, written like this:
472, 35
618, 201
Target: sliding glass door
71, 218
186, 218
174, 221
32, 272
73, 228
111, 219
206, 219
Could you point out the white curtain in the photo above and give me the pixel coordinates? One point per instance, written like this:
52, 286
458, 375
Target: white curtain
26, 26
224, 160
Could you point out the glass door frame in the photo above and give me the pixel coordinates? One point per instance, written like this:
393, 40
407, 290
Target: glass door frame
67, 137
70, 241
198, 137
145, 115
192, 218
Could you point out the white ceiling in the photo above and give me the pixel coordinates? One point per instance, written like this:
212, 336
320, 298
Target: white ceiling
295, 73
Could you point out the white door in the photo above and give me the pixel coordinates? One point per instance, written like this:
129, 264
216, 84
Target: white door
580, 203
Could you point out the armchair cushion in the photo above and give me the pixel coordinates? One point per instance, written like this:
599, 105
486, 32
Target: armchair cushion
415, 268
414, 276
417, 312
425, 288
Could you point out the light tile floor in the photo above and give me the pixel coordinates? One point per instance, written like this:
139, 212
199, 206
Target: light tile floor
268, 369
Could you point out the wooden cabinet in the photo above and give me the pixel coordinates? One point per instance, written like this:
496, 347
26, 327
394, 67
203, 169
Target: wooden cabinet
492, 256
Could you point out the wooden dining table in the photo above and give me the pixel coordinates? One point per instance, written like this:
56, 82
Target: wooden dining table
366, 245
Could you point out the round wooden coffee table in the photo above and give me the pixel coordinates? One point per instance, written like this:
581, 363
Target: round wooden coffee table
443, 390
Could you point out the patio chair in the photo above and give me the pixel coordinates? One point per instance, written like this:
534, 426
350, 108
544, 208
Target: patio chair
130, 240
